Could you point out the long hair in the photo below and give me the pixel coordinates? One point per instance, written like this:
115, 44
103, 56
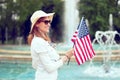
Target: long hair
38, 34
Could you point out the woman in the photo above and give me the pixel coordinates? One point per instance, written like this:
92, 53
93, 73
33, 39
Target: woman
45, 59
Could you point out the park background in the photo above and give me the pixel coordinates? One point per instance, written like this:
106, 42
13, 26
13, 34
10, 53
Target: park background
15, 17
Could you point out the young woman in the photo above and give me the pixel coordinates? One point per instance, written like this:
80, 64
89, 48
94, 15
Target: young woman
45, 59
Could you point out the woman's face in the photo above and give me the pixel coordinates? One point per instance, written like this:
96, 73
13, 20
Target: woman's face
43, 25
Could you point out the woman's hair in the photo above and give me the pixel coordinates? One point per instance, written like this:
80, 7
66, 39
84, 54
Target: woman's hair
37, 33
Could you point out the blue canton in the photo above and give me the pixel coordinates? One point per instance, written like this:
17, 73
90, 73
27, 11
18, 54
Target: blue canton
83, 29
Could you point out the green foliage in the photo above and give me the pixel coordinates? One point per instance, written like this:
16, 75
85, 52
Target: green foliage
97, 12
23, 9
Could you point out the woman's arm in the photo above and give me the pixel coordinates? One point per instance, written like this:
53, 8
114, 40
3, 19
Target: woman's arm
67, 56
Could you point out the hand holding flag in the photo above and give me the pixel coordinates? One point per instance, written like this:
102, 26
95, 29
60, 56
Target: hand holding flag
83, 50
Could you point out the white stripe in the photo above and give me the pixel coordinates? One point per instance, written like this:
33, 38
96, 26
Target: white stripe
90, 48
91, 45
85, 49
88, 54
77, 56
80, 51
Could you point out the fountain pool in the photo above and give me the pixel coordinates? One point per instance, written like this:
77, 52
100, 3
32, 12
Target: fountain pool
24, 71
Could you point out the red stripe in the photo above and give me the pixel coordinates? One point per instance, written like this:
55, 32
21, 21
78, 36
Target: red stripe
80, 48
77, 52
84, 48
87, 45
76, 58
74, 37
90, 44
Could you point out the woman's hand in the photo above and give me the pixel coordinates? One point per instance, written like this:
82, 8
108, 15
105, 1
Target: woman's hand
67, 56
69, 53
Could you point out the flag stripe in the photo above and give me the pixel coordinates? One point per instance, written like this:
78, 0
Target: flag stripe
93, 53
84, 48
81, 49
87, 47
78, 57
74, 36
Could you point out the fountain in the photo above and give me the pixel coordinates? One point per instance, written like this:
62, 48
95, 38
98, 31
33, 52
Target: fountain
105, 40
111, 21
71, 19
107, 43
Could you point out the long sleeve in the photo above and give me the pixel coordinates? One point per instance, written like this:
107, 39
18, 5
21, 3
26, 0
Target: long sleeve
44, 56
49, 64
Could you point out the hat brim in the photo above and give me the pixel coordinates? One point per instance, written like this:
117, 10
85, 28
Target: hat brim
49, 15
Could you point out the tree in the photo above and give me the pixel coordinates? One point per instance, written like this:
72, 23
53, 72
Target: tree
15, 15
97, 12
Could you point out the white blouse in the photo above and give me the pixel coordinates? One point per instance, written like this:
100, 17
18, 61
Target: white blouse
45, 59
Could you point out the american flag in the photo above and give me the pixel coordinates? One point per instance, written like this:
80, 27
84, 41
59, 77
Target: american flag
83, 50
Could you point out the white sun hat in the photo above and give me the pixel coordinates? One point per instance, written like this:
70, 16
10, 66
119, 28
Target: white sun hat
37, 15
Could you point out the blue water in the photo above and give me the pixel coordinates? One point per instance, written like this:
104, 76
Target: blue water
16, 71
24, 71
